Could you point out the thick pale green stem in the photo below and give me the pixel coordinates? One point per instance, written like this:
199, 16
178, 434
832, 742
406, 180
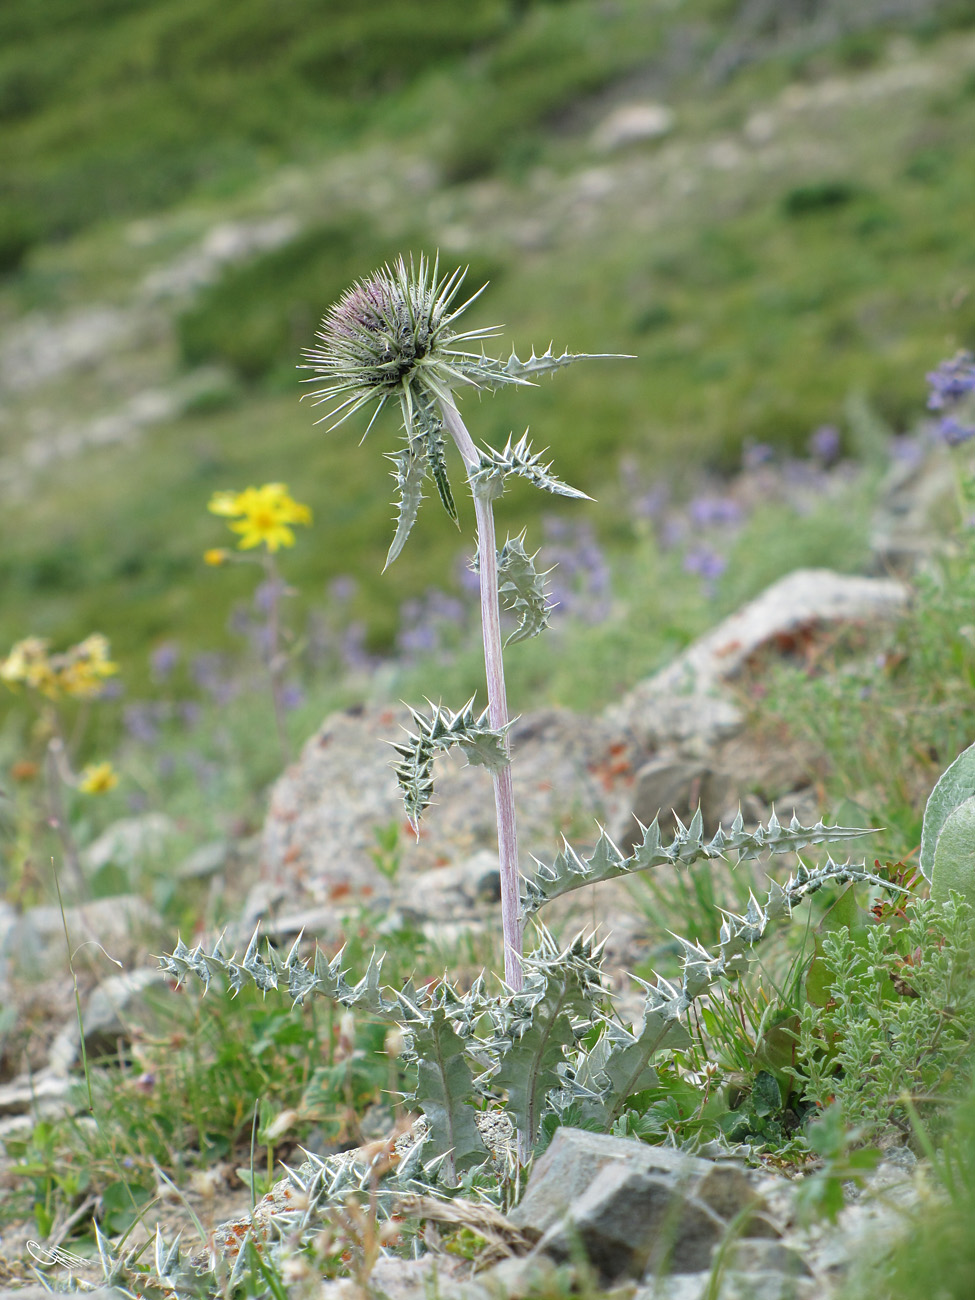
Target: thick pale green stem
497, 702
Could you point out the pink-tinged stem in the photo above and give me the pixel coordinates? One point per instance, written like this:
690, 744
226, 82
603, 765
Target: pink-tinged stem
487, 548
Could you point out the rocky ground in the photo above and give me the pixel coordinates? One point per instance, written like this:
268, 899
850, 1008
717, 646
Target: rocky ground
679, 739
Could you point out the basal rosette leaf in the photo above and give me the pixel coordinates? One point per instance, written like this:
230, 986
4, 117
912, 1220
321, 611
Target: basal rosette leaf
535, 1028
620, 1063
444, 1091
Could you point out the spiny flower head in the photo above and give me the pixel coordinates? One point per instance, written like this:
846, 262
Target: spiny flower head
98, 778
392, 335
261, 514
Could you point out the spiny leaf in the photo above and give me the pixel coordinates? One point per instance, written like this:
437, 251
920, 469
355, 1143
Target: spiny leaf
518, 459
412, 466
429, 422
571, 870
483, 745
445, 1088
620, 1062
492, 373
438, 469
325, 978
534, 1028
521, 587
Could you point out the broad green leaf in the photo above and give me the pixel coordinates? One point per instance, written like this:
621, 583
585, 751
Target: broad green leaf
954, 855
954, 786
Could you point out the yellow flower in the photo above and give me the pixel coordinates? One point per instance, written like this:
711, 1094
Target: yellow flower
261, 515
216, 556
28, 662
224, 503
82, 669
98, 778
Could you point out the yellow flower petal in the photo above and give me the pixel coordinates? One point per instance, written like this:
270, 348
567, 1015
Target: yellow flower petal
98, 778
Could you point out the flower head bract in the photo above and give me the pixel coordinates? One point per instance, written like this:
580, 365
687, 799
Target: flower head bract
392, 335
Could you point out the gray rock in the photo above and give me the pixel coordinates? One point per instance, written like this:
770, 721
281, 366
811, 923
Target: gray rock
44, 1093
575, 1157
324, 811
727, 1191
208, 860
130, 841
758, 1256
679, 786
121, 924
732, 1286
627, 1221
447, 892
108, 1016
683, 704
633, 124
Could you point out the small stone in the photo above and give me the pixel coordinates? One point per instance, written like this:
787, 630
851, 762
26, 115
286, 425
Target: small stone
627, 1221
129, 842
107, 1017
633, 124
122, 924
48, 1091
575, 1157
727, 1191
208, 860
758, 1256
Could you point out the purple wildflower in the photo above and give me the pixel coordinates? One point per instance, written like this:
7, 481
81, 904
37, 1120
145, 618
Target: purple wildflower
141, 720
163, 659
955, 431
355, 656
649, 504
952, 381
343, 588
824, 443
708, 511
705, 562
754, 454
291, 696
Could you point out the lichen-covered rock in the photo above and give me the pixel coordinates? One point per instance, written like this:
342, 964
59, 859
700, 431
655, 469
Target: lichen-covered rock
326, 808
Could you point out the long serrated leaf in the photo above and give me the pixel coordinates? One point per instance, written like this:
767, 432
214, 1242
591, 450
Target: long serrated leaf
428, 422
444, 1091
620, 1064
412, 466
517, 459
571, 870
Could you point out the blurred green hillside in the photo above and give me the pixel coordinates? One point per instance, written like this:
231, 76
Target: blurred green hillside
185, 187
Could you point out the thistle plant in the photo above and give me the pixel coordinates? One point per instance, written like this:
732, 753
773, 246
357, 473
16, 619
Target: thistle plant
264, 519
393, 338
